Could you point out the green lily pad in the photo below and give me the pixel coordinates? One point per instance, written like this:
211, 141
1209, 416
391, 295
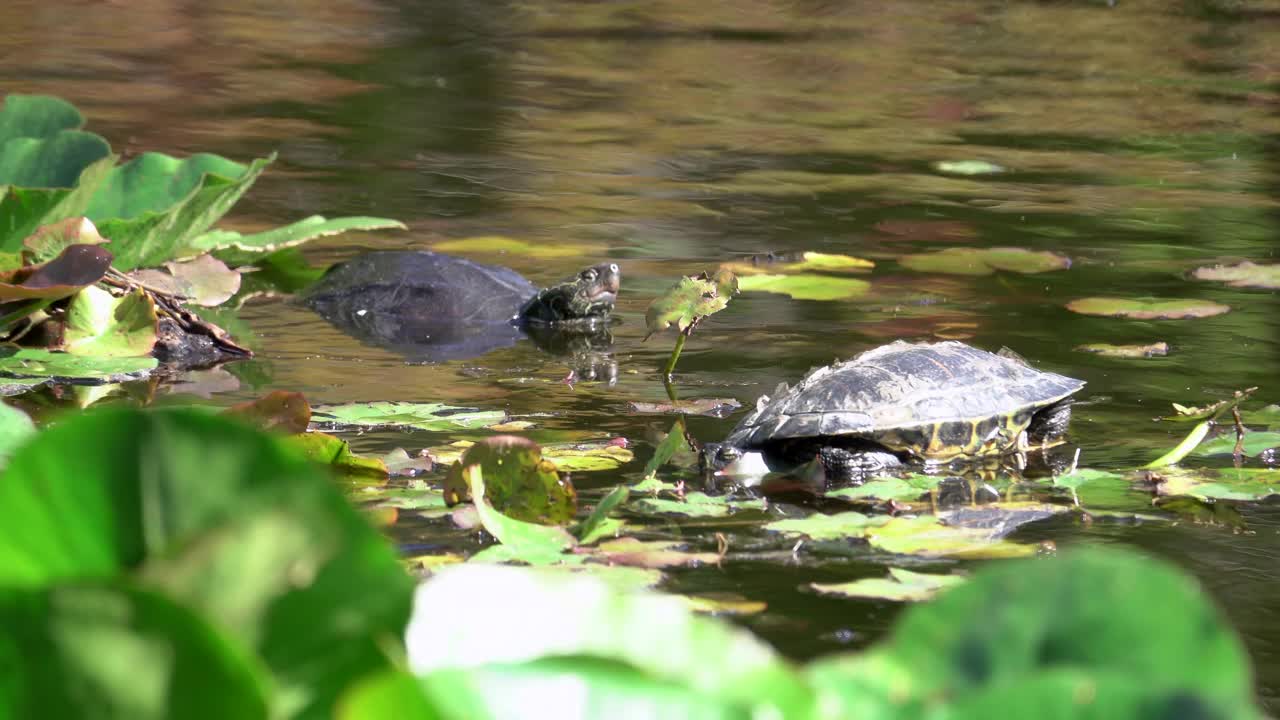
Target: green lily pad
1101, 489
925, 535
1157, 349
900, 586
102, 325
891, 488
1255, 441
690, 300
336, 453
76, 267
652, 554
63, 367
1244, 274
23, 210
968, 167
985, 261
522, 484
805, 286
155, 207
497, 244
401, 464
695, 504
236, 249
205, 281
807, 262
36, 116
15, 428
50, 241
41, 144
284, 272
586, 456
1269, 416
584, 617
1245, 484
818, 526
1147, 308
435, 417
533, 543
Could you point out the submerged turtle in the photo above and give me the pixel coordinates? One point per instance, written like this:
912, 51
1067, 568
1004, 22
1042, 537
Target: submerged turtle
904, 402
437, 307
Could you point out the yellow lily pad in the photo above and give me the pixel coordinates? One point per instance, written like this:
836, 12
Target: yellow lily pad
498, 244
985, 261
802, 263
1244, 274
900, 586
1157, 349
1147, 308
805, 286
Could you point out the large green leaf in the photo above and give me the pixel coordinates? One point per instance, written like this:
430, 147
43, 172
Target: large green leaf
420, 416
106, 650
155, 207
471, 616
1112, 614
236, 249
22, 363
37, 116
55, 162
23, 210
103, 325
224, 519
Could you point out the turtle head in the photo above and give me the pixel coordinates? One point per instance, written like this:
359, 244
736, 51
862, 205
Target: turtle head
584, 298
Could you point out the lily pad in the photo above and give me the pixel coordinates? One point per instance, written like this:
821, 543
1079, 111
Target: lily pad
436, 417
1242, 484
54, 161
714, 407
891, 488
587, 456
76, 267
805, 286
15, 428
690, 300
1147, 308
521, 484
900, 586
497, 244
1244, 274
534, 543
64, 367
23, 210
1254, 442
968, 167
336, 453
696, 504
985, 261
925, 535
102, 325
50, 241
1157, 349
807, 262
236, 249
205, 280
401, 464
36, 116
653, 554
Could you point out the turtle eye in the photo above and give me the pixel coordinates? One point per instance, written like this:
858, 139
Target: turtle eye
589, 274
613, 268
728, 453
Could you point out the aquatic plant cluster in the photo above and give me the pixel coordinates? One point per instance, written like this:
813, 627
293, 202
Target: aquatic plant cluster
190, 562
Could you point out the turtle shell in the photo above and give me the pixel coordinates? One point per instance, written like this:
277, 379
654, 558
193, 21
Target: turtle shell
932, 401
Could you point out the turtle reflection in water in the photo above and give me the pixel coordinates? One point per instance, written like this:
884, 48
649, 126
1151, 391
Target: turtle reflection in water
431, 307
926, 404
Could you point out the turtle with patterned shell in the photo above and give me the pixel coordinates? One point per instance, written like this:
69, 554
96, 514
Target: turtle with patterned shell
904, 403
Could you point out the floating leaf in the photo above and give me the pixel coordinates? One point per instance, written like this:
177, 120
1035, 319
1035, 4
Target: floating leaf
63, 367
237, 249
581, 616
806, 262
968, 167
15, 428
696, 504
76, 267
400, 464
50, 241
925, 535
900, 586
585, 456
806, 286
336, 453
1158, 349
521, 483
1147, 308
1245, 484
985, 261
102, 325
280, 410
533, 543
690, 300
891, 488
1244, 274
653, 554
589, 530
715, 407
497, 244
205, 281
1255, 442
436, 417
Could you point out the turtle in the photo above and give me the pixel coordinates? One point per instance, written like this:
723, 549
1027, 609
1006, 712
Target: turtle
922, 403
435, 307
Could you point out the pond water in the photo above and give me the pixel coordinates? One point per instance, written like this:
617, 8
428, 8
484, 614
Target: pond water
1141, 140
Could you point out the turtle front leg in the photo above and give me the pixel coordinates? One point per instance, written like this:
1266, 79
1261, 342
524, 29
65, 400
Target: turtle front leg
1050, 423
